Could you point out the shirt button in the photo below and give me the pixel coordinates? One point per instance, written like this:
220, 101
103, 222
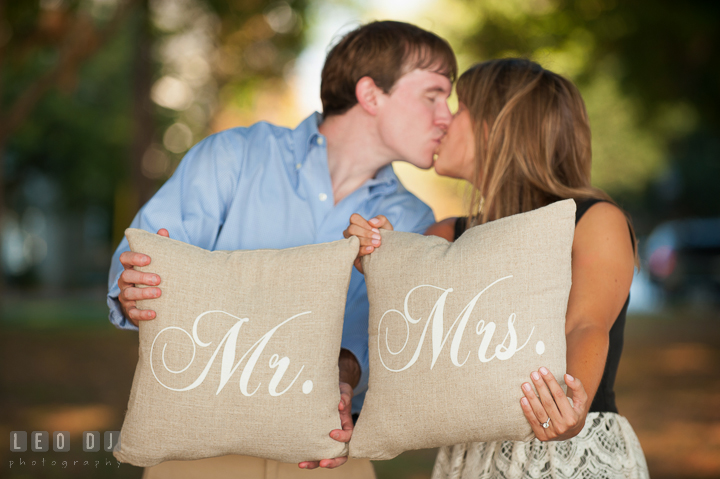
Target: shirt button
298, 166
320, 140
322, 196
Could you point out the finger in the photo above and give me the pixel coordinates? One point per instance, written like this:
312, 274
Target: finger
134, 294
132, 276
344, 434
532, 419
579, 395
538, 410
381, 221
309, 465
366, 237
135, 321
130, 259
163, 232
356, 219
333, 463
558, 394
136, 315
345, 410
365, 250
546, 398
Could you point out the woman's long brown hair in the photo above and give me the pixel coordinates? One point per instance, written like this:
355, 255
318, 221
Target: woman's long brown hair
532, 137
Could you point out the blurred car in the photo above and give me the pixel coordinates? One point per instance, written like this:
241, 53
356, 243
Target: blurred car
683, 257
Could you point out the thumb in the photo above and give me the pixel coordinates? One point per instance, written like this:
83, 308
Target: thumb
358, 265
163, 232
381, 222
579, 395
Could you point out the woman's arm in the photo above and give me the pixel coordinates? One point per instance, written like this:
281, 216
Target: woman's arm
602, 271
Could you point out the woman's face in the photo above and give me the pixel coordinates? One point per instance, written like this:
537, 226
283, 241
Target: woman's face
456, 153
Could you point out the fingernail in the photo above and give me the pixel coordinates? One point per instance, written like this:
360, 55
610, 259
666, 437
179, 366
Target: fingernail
535, 376
156, 293
527, 387
376, 242
524, 402
544, 371
374, 221
369, 249
375, 230
376, 236
569, 378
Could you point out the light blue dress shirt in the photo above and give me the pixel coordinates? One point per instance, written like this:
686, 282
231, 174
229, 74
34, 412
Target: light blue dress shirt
269, 187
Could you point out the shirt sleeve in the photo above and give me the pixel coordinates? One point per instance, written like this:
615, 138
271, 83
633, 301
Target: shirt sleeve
191, 205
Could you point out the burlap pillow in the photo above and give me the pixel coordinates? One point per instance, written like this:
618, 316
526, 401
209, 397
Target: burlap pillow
456, 328
242, 356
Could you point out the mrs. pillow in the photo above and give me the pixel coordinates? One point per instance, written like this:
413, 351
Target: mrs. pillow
456, 328
242, 356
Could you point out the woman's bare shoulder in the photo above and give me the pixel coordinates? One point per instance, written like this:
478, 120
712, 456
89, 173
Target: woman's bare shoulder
443, 229
603, 229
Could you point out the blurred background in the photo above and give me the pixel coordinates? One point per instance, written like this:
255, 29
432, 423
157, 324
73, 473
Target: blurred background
100, 100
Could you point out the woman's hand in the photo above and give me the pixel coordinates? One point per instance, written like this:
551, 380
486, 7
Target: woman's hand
566, 420
368, 232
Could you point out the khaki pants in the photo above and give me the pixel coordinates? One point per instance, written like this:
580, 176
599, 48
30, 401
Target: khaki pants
241, 467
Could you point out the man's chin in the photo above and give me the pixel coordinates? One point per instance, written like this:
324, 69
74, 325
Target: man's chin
424, 163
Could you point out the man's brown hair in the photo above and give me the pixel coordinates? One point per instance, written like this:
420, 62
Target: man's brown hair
383, 51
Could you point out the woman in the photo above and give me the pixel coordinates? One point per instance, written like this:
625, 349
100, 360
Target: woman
521, 137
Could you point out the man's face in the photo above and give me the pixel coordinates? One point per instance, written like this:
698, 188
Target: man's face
414, 116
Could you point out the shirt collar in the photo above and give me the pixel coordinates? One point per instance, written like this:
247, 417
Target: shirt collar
385, 181
307, 136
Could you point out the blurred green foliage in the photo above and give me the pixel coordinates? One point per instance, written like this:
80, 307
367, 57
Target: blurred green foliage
80, 132
76, 82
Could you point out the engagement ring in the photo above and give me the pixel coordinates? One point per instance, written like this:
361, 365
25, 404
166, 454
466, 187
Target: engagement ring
546, 424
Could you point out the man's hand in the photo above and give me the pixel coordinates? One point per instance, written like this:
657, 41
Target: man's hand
368, 232
340, 435
129, 281
350, 372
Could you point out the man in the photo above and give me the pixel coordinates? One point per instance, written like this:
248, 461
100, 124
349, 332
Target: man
384, 92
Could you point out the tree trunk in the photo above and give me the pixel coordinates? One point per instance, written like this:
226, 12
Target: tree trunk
144, 130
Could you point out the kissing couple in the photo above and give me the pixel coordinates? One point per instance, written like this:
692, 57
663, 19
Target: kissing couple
521, 139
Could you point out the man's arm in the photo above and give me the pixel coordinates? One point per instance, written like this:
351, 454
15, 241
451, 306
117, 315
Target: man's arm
191, 205
349, 368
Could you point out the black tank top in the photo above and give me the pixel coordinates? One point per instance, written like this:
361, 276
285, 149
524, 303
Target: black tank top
604, 400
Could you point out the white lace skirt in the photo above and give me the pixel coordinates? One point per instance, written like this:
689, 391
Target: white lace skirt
606, 448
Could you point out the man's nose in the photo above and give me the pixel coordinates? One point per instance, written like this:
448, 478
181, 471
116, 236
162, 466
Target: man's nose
443, 117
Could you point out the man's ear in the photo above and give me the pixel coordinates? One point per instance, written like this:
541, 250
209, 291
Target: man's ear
368, 95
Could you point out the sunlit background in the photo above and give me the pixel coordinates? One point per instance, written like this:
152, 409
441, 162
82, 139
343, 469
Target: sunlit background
100, 100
